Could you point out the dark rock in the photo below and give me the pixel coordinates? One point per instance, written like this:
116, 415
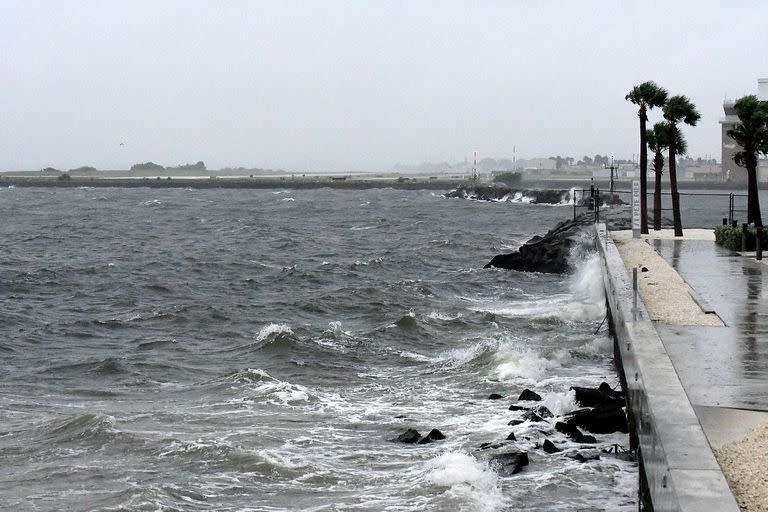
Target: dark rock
529, 396
514, 407
543, 412
532, 416
591, 397
643, 269
410, 436
574, 433
510, 463
608, 390
600, 420
511, 437
493, 446
546, 254
568, 430
494, 396
584, 456
515, 422
550, 447
434, 435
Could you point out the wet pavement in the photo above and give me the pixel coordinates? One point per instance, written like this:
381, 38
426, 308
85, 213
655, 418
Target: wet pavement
724, 370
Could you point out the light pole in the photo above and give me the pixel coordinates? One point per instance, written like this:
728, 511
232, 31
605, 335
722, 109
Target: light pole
611, 189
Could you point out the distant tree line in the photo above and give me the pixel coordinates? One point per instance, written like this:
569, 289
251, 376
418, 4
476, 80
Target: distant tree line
152, 166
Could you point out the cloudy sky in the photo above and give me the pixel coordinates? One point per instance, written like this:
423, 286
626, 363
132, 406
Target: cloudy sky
357, 85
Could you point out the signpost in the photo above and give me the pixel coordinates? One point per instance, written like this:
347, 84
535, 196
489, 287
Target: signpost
635, 209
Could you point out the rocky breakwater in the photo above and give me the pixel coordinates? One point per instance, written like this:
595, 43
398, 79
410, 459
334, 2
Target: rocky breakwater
534, 428
548, 253
505, 193
498, 192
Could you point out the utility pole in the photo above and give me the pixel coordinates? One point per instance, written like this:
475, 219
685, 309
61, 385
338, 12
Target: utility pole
474, 168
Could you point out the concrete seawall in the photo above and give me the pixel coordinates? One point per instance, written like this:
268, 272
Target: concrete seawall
678, 469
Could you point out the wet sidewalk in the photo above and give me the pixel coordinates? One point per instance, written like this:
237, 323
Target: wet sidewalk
724, 370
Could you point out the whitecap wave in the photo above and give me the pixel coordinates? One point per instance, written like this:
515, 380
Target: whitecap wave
335, 329
465, 480
261, 385
437, 315
272, 332
515, 363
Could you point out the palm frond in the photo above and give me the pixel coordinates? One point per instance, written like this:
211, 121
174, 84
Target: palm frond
680, 109
647, 93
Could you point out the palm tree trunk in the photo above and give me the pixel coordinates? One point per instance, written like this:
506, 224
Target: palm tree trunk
658, 165
643, 174
753, 197
673, 180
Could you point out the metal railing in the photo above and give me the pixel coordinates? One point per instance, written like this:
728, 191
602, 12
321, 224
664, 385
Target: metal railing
736, 204
588, 199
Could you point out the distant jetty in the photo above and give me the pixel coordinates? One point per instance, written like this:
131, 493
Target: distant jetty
257, 182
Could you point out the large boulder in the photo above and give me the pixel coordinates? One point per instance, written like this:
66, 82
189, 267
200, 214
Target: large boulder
574, 433
591, 397
550, 447
434, 435
509, 463
603, 419
528, 395
547, 254
410, 436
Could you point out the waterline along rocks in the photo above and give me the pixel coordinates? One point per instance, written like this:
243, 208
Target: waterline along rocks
505, 193
498, 192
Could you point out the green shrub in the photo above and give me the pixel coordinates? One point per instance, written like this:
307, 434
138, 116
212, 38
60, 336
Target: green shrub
730, 237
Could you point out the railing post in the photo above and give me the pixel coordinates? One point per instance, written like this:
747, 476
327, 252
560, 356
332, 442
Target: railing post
597, 205
744, 228
759, 246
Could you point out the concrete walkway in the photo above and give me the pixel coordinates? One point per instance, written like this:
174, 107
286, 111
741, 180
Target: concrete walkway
723, 369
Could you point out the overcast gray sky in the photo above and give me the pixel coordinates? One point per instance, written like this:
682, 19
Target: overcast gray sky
357, 85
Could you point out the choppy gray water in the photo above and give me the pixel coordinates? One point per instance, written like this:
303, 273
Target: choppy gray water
257, 350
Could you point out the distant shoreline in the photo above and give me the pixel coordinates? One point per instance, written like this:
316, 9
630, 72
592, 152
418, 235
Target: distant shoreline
350, 183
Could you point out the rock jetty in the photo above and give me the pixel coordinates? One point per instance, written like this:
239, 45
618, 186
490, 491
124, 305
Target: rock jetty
548, 253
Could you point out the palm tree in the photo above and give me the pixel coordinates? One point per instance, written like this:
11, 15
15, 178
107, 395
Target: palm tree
751, 133
658, 142
678, 109
646, 96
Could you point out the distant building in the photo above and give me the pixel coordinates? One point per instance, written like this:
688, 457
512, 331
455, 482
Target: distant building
730, 171
538, 164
